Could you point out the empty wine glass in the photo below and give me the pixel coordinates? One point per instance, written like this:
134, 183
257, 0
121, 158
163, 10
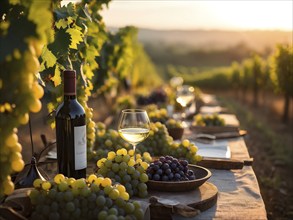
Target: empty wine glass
134, 126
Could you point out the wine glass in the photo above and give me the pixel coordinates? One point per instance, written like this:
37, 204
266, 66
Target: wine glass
184, 96
134, 126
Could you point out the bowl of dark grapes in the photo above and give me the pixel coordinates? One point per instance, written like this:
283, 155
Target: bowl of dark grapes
173, 175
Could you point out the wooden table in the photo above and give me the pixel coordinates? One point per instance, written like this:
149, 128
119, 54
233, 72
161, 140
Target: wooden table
239, 195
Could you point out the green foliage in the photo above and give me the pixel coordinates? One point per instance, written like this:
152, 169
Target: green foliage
257, 71
78, 35
123, 60
246, 74
188, 56
211, 78
235, 78
282, 69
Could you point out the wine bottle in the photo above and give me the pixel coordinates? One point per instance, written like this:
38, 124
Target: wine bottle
71, 131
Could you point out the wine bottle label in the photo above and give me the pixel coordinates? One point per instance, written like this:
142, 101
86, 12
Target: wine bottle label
80, 147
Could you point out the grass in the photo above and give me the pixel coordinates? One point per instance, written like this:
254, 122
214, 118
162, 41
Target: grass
273, 143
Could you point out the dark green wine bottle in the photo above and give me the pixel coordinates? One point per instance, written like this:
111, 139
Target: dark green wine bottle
71, 131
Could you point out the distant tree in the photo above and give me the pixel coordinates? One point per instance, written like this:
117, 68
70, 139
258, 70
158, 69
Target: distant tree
235, 78
257, 78
282, 74
267, 85
245, 77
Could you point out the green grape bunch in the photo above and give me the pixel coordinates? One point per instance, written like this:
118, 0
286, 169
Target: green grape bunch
183, 150
126, 169
157, 115
157, 140
161, 115
95, 197
91, 125
208, 120
107, 140
22, 35
159, 143
172, 123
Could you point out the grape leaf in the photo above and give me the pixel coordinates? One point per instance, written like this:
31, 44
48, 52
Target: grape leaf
61, 23
60, 46
65, 12
76, 37
57, 76
49, 60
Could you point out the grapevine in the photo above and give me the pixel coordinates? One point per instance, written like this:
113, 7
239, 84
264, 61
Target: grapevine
79, 34
18, 78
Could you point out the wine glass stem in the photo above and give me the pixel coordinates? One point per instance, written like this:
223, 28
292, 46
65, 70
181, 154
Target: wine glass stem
134, 148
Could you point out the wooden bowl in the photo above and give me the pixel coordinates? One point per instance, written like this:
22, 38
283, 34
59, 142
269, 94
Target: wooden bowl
202, 175
176, 133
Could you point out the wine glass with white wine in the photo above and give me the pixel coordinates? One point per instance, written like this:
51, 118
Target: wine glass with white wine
134, 126
184, 96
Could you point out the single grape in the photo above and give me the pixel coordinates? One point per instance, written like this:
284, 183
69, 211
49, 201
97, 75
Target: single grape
126, 178
37, 183
54, 216
129, 208
92, 178
156, 177
63, 186
46, 185
68, 196
100, 201
165, 178
143, 178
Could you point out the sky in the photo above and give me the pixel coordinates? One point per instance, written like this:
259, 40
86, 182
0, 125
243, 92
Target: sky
200, 14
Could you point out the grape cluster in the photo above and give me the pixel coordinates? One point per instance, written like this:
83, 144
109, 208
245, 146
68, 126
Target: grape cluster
169, 168
208, 120
19, 81
172, 123
184, 149
157, 114
91, 125
107, 140
92, 198
124, 102
161, 115
127, 170
160, 143
157, 140
157, 96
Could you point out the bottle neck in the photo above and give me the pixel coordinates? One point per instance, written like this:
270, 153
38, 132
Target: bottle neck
69, 97
69, 87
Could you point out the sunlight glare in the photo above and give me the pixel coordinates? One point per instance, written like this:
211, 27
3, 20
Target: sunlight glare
253, 14
200, 14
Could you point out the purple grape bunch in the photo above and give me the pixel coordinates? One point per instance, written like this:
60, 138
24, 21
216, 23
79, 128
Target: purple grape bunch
168, 168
